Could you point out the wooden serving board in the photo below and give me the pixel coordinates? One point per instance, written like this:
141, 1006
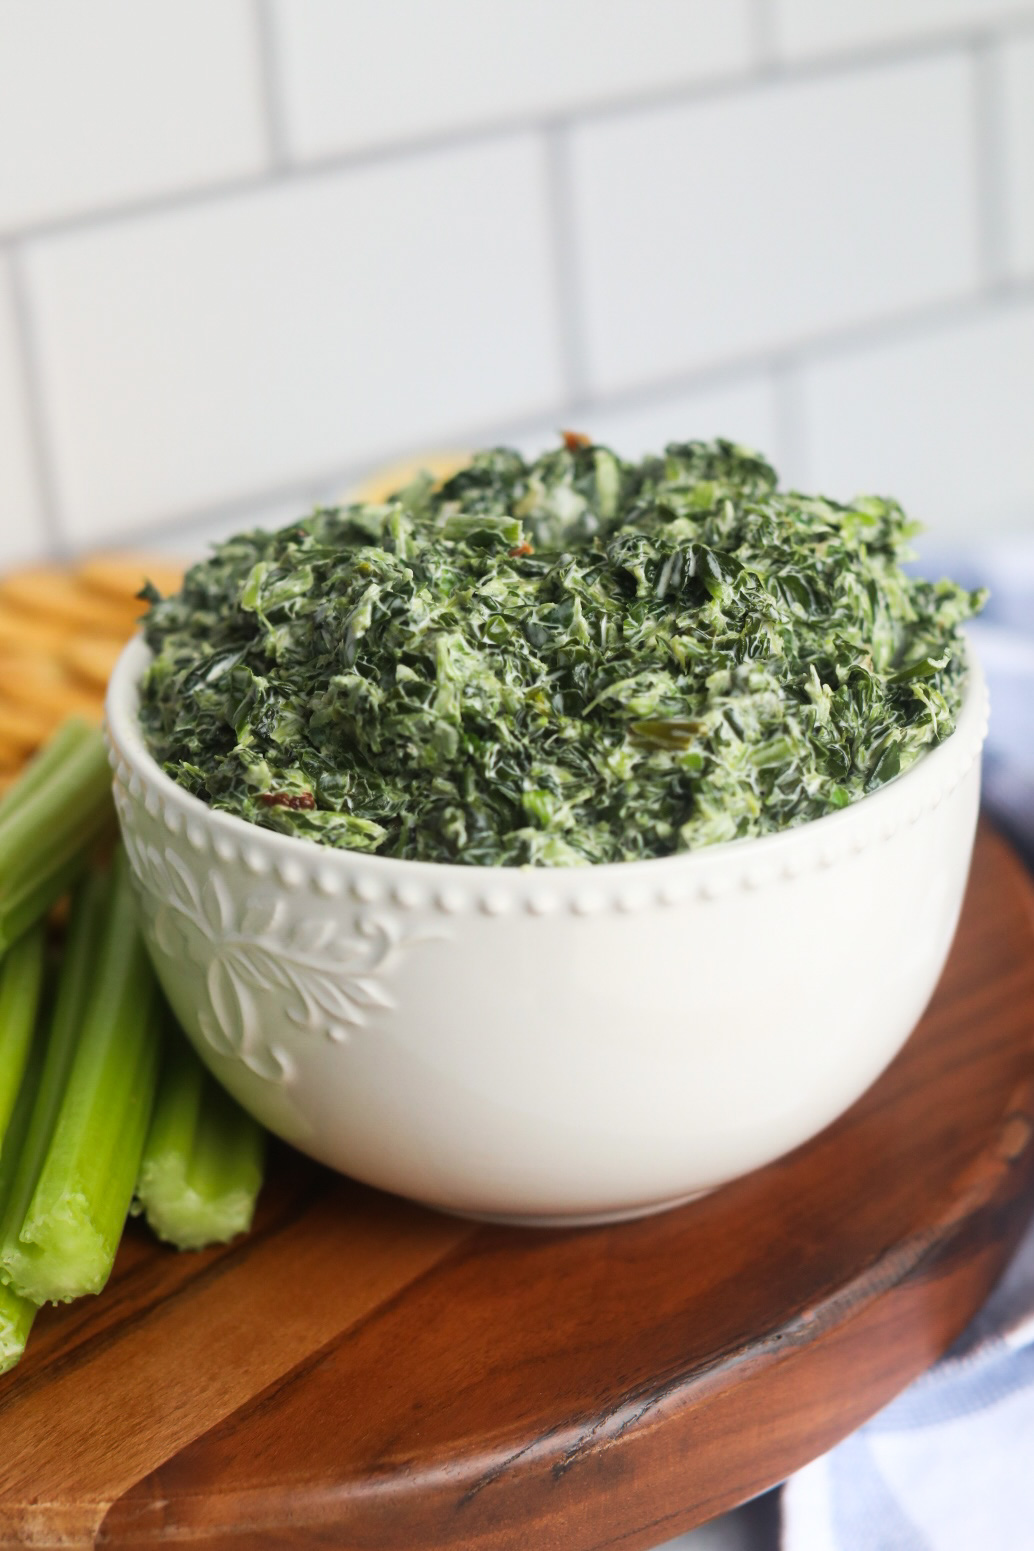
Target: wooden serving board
363, 1374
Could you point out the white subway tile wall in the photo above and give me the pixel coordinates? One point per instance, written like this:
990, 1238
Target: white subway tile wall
1016, 65
941, 419
805, 28
696, 246
258, 341
21, 531
266, 244
188, 541
742, 410
105, 103
371, 72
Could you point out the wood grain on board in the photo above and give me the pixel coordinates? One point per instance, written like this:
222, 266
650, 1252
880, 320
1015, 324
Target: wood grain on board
363, 1374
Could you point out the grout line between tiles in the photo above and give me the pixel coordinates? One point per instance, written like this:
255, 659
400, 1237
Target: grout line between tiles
724, 86
791, 439
270, 91
313, 170
35, 401
323, 488
805, 350
763, 34
784, 367
570, 318
990, 152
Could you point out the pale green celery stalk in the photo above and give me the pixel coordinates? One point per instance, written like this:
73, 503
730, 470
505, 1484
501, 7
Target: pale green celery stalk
21, 984
71, 735
202, 1166
49, 821
58, 1049
17, 1313
16, 1317
73, 1222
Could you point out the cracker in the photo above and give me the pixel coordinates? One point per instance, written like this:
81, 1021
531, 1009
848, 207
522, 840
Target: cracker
23, 728
120, 576
91, 658
379, 485
54, 595
40, 682
11, 757
21, 632
32, 666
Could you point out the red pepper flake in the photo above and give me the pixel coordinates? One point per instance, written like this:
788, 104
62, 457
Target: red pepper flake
303, 800
522, 549
574, 440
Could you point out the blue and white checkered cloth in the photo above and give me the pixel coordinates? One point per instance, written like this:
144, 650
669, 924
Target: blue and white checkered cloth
949, 1465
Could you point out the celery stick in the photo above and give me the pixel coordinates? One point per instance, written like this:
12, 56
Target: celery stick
202, 1166
70, 736
17, 1313
81, 944
21, 983
76, 751
16, 1317
73, 1222
48, 823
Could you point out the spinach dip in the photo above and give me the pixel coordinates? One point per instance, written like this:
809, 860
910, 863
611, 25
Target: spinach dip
551, 663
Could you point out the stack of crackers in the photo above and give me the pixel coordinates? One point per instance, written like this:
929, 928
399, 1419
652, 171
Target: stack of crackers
61, 629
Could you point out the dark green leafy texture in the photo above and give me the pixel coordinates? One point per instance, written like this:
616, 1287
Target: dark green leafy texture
687, 655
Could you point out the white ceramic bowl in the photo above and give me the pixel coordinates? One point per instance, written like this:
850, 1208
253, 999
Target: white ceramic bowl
551, 1045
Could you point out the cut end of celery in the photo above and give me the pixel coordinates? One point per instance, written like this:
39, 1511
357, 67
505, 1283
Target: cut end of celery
181, 1216
16, 1317
61, 1257
201, 1171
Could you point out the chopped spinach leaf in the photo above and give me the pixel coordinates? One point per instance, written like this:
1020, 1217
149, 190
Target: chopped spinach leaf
559, 662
